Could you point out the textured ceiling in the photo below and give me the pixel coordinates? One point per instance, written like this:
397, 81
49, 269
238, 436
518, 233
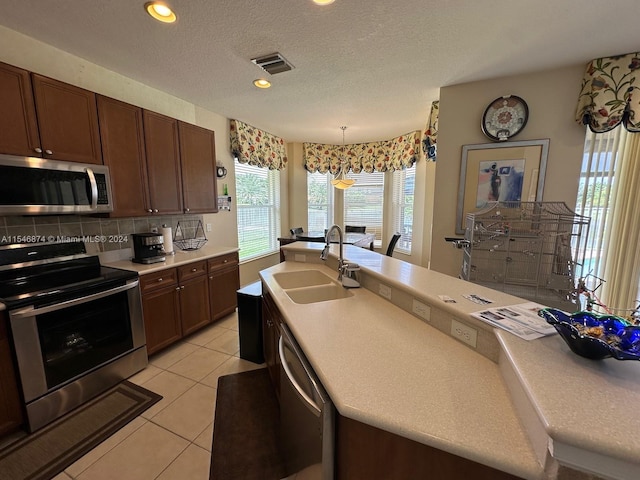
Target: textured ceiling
371, 65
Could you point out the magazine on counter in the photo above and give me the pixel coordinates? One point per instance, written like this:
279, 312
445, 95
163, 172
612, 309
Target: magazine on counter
521, 320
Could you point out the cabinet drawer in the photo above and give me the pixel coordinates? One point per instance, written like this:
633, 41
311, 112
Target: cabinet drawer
223, 261
159, 279
192, 270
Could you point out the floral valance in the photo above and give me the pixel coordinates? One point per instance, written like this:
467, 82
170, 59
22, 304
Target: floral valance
431, 132
395, 154
610, 95
255, 147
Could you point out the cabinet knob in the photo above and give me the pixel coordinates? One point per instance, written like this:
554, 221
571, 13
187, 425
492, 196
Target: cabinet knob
160, 279
182, 287
177, 289
225, 261
194, 269
149, 210
48, 152
186, 210
211, 278
155, 210
37, 150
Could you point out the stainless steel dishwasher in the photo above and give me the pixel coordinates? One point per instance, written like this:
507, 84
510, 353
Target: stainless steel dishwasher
306, 416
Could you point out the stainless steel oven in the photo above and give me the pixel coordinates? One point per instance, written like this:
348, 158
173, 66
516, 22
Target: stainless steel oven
76, 327
307, 415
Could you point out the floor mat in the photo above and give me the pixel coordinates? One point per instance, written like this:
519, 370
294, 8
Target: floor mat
245, 438
48, 451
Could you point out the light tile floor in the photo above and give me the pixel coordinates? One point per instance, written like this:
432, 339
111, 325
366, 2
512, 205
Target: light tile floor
172, 439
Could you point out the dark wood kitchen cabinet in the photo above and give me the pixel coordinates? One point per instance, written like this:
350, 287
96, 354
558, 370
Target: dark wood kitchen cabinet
10, 409
271, 320
224, 282
42, 117
18, 123
163, 163
161, 309
123, 151
67, 121
364, 451
194, 301
198, 161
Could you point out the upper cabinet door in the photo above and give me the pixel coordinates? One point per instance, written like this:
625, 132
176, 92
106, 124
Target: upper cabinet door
163, 163
198, 158
122, 138
68, 121
18, 126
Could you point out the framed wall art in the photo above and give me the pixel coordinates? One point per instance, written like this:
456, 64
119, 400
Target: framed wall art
500, 172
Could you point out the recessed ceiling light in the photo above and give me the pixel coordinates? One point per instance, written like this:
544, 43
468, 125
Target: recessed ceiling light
323, 2
160, 11
262, 83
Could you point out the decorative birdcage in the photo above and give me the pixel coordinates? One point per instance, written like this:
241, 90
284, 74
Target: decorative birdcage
189, 235
533, 250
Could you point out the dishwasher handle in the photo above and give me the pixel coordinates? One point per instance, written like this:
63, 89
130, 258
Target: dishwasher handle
310, 404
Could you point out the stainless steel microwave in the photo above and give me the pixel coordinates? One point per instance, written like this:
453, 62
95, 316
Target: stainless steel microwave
35, 186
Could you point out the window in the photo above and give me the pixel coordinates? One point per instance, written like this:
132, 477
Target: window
320, 201
403, 186
363, 202
608, 194
258, 210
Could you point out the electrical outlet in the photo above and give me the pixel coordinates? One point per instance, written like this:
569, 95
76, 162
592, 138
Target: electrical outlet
421, 310
464, 333
299, 257
385, 291
208, 227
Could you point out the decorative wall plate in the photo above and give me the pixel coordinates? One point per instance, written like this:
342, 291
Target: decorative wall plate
504, 118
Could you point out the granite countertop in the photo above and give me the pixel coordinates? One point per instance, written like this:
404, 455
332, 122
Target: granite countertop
388, 368
181, 257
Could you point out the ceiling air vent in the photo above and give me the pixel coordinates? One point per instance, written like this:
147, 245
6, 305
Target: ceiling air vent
273, 63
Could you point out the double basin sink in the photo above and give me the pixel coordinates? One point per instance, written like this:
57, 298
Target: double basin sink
310, 286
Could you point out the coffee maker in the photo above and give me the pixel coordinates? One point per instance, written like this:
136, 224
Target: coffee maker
148, 248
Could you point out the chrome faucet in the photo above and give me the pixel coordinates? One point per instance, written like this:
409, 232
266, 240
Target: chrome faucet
346, 270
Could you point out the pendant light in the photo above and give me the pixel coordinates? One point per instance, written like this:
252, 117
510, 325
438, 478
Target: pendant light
341, 181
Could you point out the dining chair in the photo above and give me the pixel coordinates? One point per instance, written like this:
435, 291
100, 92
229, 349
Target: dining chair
354, 229
392, 244
296, 231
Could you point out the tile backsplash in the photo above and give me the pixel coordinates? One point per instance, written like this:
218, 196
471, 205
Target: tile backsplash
107, 234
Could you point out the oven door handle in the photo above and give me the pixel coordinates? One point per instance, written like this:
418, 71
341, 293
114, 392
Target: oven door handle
311, 405
31, 311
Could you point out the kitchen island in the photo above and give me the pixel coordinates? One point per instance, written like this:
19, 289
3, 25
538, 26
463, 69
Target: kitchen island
532, 409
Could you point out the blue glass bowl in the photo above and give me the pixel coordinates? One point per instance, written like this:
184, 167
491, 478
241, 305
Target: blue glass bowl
596, 336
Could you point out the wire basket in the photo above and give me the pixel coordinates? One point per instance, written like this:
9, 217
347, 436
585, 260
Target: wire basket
189, 235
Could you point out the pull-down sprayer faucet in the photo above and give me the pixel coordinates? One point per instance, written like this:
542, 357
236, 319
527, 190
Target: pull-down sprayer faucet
346, 271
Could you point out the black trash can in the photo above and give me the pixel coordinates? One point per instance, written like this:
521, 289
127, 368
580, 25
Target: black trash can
250, 322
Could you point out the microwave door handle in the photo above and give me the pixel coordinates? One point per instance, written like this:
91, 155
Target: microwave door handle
94, 188
311, 405
30, 311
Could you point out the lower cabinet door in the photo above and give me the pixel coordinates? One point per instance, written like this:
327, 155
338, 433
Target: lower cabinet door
161, 318
194, 307
223, 287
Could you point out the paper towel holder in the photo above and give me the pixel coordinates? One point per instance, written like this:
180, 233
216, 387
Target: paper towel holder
168, 240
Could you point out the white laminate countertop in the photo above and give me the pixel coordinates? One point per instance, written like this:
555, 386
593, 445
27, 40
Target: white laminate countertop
387, 368
181, 257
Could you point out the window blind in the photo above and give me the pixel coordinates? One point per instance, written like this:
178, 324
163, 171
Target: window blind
363, 202
319, 201
258, 210
402, 202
